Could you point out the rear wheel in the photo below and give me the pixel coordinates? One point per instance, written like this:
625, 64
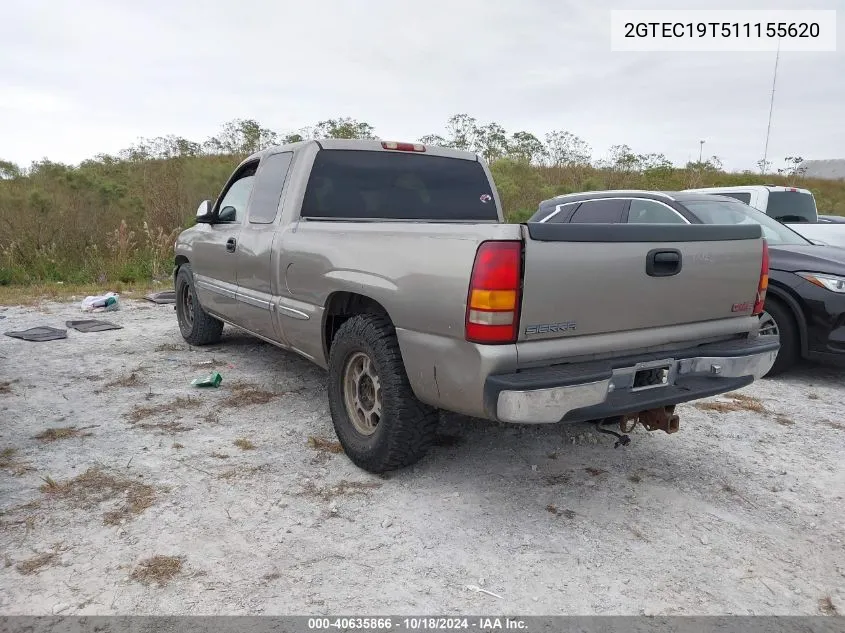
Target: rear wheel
195, 324
378, 419
777, 320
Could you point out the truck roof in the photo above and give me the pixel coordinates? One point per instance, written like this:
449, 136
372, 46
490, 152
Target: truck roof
751, 188
679, 196
374, 145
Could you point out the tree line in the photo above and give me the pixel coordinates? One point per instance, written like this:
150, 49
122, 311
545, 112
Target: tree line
113, 218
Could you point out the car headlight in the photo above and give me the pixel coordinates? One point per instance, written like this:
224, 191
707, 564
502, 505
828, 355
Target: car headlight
831, 282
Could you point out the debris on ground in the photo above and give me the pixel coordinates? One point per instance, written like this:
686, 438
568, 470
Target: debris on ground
95, 486
108, 302
92, 325
325, 445
157, 569
211, 380
478, 589
39, 334
163, 297
38, 562
61, 433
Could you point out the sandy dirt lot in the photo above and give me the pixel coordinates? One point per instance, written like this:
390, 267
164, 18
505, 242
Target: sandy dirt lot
125, 490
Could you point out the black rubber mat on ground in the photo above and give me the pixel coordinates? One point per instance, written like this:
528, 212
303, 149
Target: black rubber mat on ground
92, 325
166, 296
39, 334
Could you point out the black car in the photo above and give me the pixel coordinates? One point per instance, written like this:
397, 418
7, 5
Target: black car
805, 302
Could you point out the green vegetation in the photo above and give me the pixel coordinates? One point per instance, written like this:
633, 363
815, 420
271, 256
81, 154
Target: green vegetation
113, 219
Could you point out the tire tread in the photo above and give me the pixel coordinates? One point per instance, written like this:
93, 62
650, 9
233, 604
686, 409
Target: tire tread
206, 329
410, 425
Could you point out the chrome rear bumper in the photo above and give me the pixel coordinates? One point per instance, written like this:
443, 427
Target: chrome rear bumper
587, 391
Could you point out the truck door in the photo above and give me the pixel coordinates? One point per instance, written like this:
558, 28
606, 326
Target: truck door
255, 255
214, 253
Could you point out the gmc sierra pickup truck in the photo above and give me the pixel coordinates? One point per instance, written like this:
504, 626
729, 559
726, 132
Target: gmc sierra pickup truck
391, 266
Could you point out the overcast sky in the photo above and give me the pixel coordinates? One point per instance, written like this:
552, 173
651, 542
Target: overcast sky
90, 76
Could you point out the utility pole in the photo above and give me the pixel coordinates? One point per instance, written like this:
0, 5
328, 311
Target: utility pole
700, 150
771, 108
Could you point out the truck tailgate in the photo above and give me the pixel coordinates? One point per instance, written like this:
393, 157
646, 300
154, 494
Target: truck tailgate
582, 279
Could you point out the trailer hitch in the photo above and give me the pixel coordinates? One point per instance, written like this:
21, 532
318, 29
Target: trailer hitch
657, 419
660, 419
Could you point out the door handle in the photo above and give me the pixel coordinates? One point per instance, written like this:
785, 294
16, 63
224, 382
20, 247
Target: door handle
663, 262
231, 245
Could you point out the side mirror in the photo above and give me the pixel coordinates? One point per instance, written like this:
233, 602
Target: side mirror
204, 212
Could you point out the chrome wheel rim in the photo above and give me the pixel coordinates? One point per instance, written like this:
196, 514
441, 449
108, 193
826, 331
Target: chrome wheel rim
768, 325
362, 393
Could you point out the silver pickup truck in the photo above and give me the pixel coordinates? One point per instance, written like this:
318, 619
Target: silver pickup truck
390, 265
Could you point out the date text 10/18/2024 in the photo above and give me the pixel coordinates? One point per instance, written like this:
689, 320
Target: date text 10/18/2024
418, 624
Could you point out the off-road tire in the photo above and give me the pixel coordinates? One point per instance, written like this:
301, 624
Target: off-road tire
790, 343
195, 324
407, 427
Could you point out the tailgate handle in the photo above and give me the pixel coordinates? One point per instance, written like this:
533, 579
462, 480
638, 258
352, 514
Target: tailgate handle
663, 262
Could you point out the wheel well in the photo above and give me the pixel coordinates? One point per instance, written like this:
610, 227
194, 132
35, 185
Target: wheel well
179, 261
343, 305
794, 310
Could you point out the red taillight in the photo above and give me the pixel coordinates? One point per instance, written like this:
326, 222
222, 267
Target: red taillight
492, 314
764, 281
403, 147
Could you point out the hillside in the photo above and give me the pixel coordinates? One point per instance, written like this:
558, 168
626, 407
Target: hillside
114, 218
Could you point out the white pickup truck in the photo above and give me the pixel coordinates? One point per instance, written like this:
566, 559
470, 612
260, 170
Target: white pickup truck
790, 205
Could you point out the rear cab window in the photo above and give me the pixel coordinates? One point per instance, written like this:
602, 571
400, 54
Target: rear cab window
791, 206
385, 185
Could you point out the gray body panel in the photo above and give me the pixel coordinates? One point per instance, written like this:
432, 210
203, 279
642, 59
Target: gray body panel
285, 273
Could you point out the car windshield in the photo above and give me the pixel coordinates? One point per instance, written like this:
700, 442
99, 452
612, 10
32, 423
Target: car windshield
730, 212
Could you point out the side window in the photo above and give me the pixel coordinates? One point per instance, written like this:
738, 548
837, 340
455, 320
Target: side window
268, 188
599, 212
742, 197
232, 205
652, 212
562, 215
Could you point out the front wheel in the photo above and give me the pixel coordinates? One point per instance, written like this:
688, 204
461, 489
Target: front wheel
777, 320
378, 419
195, 324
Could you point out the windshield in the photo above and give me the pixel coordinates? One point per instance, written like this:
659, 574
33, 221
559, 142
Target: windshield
791, 206
729, 212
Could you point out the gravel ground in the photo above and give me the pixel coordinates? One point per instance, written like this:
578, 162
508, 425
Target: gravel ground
167, 499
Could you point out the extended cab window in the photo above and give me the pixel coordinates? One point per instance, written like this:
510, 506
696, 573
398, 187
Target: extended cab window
397, 185
232, 206
599, 212
644, 211
268, 188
